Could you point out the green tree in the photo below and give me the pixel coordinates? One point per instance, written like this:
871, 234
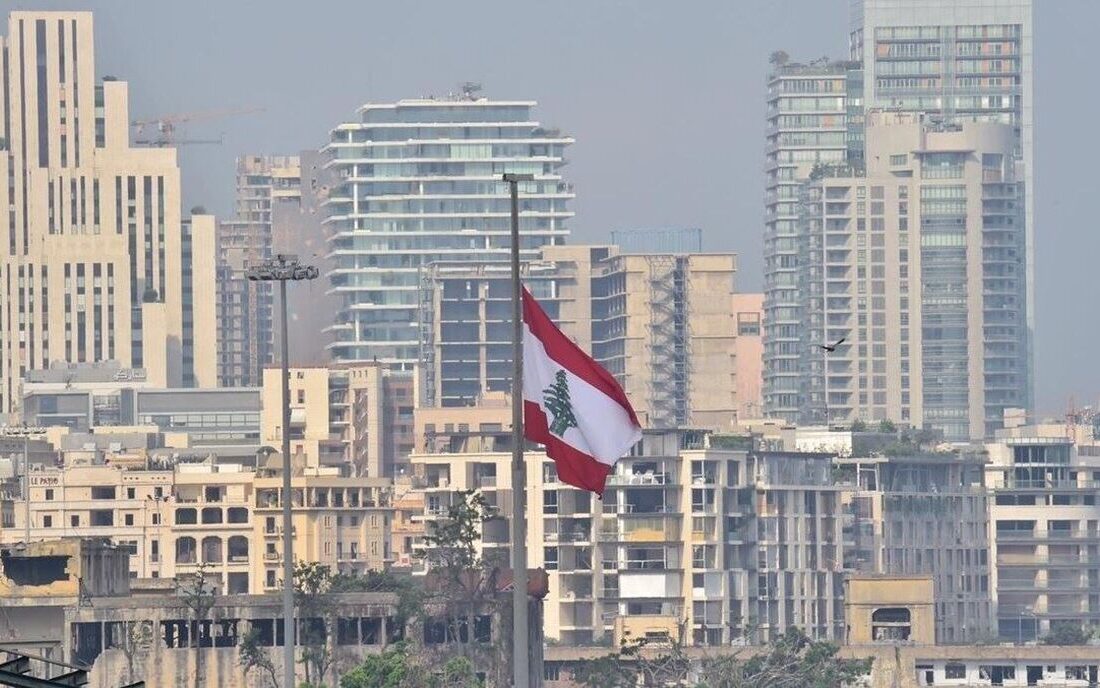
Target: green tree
1066, 633
790, 661
251, 655
410, 592
316, 614
198, 596
858, 426
465, 582
637, 663
556, 399
396, 667
887, 427
458, 672
613, 670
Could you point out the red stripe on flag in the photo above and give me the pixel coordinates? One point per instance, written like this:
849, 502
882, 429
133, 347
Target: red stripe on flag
574, 467
570, 356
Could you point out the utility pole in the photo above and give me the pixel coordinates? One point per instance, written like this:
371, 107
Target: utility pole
521, 657
282, 269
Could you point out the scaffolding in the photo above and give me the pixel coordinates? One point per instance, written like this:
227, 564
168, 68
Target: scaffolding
669, 341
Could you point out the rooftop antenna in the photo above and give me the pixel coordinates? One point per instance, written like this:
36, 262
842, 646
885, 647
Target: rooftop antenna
470, 89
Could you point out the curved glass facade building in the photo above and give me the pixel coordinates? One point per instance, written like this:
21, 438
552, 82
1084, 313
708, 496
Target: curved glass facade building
418, 181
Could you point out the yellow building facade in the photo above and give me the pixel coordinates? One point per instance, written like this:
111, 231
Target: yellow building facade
225, 518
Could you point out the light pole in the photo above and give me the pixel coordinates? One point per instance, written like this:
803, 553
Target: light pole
1027, 611
520, 651
282, 269
25, 431
146, 556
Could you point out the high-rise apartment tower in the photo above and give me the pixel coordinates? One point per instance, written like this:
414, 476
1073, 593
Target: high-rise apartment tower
96, 262
419, 181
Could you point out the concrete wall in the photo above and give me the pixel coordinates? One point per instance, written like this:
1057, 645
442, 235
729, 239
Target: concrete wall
748, 355
866, 595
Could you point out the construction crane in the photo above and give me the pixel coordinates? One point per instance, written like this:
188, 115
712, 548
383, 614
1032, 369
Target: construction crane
164, 127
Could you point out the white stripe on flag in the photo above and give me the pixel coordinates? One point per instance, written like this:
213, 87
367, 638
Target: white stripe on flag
604, 430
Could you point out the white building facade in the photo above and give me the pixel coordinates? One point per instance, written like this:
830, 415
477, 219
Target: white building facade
419, 181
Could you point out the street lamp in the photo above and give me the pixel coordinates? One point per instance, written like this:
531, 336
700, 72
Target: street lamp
282, 269
1027, 611
24, 431
146, 557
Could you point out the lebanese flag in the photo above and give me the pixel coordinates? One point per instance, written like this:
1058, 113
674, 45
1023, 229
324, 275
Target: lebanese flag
572, 405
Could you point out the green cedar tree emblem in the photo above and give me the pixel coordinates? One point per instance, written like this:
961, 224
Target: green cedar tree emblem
556, 398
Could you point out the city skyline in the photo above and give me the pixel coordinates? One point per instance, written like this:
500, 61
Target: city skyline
771, 404
722, 192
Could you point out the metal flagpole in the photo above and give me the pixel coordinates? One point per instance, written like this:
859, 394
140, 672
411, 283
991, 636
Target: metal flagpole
520, 652
289, 634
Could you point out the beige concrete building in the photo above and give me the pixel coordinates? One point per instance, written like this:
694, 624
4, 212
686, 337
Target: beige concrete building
358, 418
170, 519
748, 355
664, 325
665, 329
38, 582
925, 515
246, 336
95, 252
918, 265
407, 527
444, 430
686, 536
1044, 526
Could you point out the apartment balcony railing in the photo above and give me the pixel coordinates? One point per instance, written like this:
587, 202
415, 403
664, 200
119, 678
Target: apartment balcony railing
1034, 561
1011, 484
640, 479
1048, 535
1048, 586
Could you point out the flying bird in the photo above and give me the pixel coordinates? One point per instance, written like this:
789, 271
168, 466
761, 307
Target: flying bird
832, 347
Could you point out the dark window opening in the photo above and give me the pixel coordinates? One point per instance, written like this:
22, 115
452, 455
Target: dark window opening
370, 631
890, 623
265, 631
347, 631
35, 570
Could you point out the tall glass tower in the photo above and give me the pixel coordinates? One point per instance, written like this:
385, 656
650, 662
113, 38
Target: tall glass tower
418, 181
808, 129
958, 61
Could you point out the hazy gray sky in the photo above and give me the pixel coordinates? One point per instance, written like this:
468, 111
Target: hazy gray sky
665, 99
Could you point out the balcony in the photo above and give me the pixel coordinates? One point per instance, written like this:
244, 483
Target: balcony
1011, 484
1060, 535
1039, 561
1028, 585
640, 479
